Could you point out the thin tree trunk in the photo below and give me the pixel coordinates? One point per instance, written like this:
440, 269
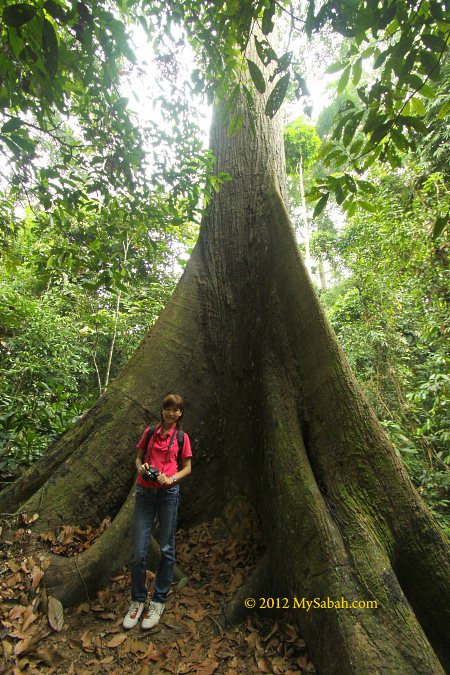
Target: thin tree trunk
126, 245
306, 226
322, 275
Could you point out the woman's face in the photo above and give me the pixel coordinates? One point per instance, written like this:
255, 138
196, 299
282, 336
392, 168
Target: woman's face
171, 415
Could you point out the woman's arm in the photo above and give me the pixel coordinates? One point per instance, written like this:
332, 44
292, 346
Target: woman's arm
179, 475
139, 466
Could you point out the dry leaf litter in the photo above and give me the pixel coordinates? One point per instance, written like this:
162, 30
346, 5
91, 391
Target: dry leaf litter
39, 636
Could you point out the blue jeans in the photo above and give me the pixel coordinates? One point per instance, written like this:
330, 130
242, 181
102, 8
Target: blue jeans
149, 501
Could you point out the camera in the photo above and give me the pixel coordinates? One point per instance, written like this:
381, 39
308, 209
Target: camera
151, 473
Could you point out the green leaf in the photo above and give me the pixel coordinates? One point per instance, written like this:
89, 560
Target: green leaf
121, 104
380, 132
302, 86
444, 110
350, 207
399, 139
381, 58
339, 193
251, 111
367, 206
235, 125
440, 224
284, 62
265, 51
11, 125
277, 95
418, 106
427, 91
335, 67
257, 76
428, 60
436, 10
267, 24
393, 156
50, 48
18, 14
357, 71
309, 23
343, 80
415, 81
433, 42
55, 10
356, 146
321, 204
414, 122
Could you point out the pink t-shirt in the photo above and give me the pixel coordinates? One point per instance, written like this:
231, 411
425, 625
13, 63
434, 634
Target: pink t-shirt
156, 454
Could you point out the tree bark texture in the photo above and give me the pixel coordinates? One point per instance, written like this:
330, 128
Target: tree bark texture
274, 414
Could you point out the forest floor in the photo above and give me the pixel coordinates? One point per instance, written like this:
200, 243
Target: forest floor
38, 636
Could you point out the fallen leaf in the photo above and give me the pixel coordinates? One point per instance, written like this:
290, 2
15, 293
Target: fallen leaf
46, 563
84, 607
290, 633
174, 626
22, 646
107, 660
30, 520
152, 654
86, 640
36, 577
236, 581
137, 647
13, 580
55, 614
16, 612
7, 649
208, 667
65, 536
196, 615
29, 618
117, 640
108, 615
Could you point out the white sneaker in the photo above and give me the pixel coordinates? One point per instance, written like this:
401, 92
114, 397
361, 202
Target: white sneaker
133, 615
152, 614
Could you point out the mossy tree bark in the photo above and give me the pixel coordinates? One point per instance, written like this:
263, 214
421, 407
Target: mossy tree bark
274, 414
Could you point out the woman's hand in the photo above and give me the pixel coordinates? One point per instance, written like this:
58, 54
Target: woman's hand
163, 480
142, 468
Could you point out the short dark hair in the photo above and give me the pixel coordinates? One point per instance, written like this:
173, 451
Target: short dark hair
173, 401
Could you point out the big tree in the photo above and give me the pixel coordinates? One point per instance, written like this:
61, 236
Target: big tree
276, 416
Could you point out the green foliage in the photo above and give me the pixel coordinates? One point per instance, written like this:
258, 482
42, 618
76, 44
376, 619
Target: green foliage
43, 366
76, 297
301, 143
400, 50
389, 311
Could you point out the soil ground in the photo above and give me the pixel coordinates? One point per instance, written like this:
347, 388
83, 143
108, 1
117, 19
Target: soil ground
37, 636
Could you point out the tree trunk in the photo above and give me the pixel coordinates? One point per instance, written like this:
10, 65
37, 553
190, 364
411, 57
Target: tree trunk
275, 415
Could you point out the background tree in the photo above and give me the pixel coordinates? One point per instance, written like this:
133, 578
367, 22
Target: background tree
300, 146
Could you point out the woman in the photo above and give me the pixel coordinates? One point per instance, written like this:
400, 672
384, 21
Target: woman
157, 491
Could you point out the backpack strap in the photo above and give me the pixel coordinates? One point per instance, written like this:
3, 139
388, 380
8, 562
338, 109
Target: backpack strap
150, 433
180, 444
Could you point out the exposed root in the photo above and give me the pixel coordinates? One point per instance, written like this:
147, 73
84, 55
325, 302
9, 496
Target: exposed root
256, 586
